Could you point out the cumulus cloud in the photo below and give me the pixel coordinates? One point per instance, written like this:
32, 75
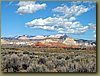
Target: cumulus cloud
74, 10
65, 21
58, 24
72, 19
79, 30
92, 26
29, 7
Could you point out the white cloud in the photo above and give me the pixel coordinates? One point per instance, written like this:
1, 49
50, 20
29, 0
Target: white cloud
29, 7
79, 30
47, 21
72, 19
74, 10
24, 3
92, 26
58, 24
82, 29
71, 31
64, 21
53, 24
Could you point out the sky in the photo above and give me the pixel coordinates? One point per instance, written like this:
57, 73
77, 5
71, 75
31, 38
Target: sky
76, 19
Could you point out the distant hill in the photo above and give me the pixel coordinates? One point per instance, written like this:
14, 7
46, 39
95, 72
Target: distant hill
57, 36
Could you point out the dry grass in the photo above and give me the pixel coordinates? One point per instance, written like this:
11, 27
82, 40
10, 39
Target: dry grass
31, 59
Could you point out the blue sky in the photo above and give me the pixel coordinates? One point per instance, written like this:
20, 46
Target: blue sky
76, 19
